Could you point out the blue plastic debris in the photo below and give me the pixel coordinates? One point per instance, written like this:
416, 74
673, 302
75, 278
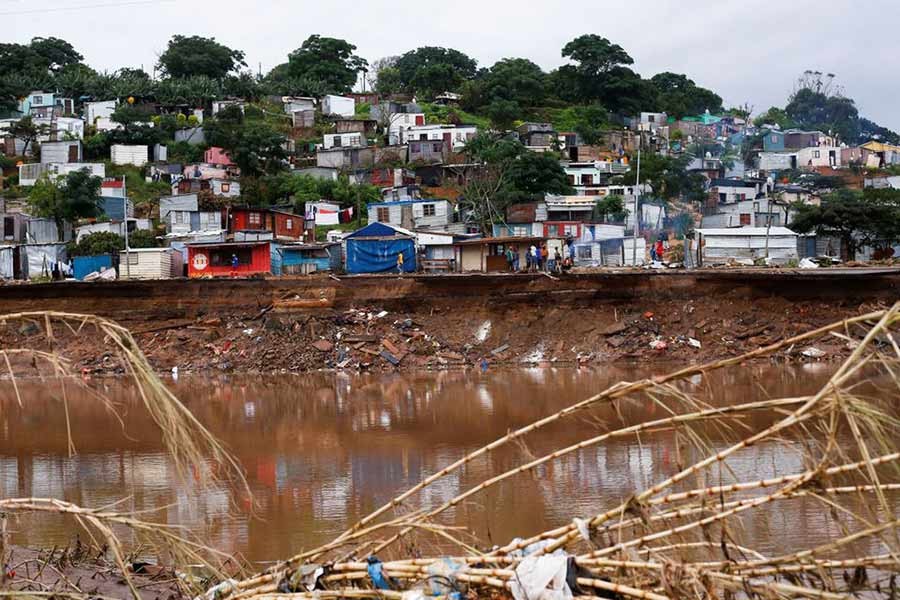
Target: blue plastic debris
375, 574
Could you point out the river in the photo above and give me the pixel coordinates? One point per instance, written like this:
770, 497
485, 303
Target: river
322, 450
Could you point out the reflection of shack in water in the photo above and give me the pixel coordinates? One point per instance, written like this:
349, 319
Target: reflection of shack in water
322, 450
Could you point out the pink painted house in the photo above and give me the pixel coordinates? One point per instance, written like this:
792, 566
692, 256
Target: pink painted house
217, 156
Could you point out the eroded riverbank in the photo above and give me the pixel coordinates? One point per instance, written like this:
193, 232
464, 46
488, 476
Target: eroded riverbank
412, 323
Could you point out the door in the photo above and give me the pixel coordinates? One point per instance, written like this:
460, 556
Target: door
420, 119
73, 153
448, 139
9, 228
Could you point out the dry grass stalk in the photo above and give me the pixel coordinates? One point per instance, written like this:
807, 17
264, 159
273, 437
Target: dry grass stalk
695, 533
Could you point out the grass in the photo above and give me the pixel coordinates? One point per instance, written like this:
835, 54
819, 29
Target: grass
436, 114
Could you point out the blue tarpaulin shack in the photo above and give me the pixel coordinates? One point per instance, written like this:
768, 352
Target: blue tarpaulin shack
374, 249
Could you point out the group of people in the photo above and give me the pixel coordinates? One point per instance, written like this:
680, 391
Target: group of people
541, 258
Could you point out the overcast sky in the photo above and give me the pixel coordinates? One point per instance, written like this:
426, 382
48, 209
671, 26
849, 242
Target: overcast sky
748, 52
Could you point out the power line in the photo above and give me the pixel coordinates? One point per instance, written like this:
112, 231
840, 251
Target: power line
81, 7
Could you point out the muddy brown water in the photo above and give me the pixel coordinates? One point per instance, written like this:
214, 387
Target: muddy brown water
322, 450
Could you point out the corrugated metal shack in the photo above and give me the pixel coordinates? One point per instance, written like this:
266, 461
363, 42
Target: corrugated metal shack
746, 244
302, 259
150, 263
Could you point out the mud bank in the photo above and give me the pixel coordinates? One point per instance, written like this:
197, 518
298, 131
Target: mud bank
416, 322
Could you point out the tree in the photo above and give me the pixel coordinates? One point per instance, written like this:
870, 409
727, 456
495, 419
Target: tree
599, 63
99, 242
42, 56
858, 218
432, 70
199, 56
142, 238
669, 177
507, 173
511, 80
679, 96
254, 145
383, 75
28, 131
774, 116
503, 113
330, 62
611, 208
75, 196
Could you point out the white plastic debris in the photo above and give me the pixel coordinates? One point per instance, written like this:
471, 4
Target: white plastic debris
659, 345
694, 343
248, 331
541, 578
381, 315
806, 263
813, 352
483, 332
582, 527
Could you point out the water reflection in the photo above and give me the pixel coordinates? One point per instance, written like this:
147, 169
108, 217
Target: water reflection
322, 450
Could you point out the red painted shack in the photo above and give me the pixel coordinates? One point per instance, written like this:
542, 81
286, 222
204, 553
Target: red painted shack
283, 224
215, 259
217, 156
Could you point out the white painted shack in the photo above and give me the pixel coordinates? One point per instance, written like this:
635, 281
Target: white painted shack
121, 154
151, 263
744, 245
7, 262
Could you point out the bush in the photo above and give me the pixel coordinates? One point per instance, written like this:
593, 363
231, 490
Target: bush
142, 238
101, 242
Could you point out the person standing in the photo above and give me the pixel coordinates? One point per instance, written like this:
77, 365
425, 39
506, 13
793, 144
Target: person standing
400, 263
545, 256
515, 258
660, 250
535, 257
509, 259
234, 265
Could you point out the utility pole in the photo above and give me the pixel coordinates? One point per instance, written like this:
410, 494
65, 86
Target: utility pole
125, 223
637, 202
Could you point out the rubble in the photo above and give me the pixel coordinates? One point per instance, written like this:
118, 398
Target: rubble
440, 336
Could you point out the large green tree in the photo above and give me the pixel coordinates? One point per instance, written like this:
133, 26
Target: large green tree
65, 199
597, 62
253, 144
328, 62
199, 56
679, 96
858, 218
431, 70
507, 173
39, 57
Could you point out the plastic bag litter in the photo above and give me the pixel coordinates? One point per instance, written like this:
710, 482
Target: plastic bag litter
442, 576
813, 352
806, 263
541, 578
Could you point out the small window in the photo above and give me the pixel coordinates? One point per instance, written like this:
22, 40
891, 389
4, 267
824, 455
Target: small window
571, 230
254, 218
38, 100
336, 141
745, 218
179, 217
519, 231
816, 154
289, 224
384, 214
437, 146
651, 119
583, 252
226, 187
415, 148
132, 258
552, 230
774, 139
428, 210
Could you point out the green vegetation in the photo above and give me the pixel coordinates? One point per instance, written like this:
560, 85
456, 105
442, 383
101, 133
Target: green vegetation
198, 56
66, 199
860, 218
436, 113
100, 242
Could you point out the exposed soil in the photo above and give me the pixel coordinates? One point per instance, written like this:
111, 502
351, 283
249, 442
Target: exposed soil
415, 323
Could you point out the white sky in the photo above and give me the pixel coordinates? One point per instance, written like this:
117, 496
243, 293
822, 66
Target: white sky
746, 51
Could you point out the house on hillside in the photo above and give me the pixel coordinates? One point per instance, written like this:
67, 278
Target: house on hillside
537, 135
281, 224
412, 214
61, 152
102, 109
338, 106
217, 157
216, 259
346, 158
343, 140
293, 104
